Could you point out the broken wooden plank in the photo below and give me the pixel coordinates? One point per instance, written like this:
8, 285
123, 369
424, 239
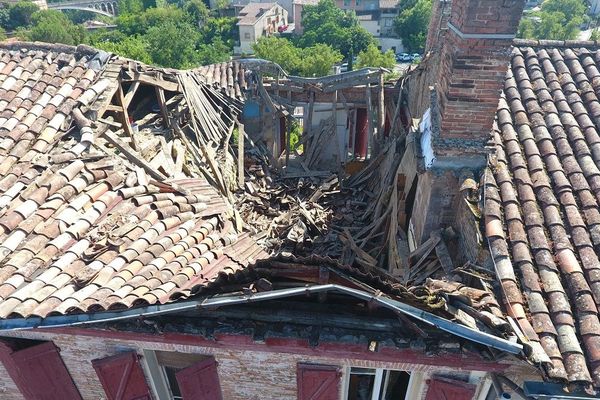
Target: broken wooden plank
130, 93
132, 155
115, 108
240, 163
370, 135
441, 250
149, 80
380, 113
160, 95
125, 117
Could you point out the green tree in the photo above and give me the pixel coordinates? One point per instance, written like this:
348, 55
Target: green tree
197, 10
20, 14
214, 52
130, 6
133, 47
412, 24
139, 23
557, 20
221, 6
280, 51
54, 27
373, 57
224, 29
328, 24
595, 35
316, 60
2, 34
4, 15
570, 8
173, 44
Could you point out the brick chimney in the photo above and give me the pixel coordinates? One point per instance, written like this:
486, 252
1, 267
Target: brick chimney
474, 58
468, 62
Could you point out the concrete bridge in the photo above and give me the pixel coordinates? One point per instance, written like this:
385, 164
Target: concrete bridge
104, 7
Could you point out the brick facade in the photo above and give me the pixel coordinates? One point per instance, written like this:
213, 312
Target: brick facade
244, 374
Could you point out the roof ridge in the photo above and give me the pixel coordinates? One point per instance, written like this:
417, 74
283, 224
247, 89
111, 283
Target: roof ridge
556, 43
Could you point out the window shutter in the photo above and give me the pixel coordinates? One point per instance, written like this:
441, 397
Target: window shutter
40, 373
122, 377
200, 381
318, 382
446, 389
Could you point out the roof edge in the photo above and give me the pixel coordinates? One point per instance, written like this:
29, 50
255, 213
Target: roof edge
82, 49
589, 44
441, 323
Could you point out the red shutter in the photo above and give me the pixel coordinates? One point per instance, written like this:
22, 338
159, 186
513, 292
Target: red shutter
200, 381
446, 389
39, 372
318, 382
122, 377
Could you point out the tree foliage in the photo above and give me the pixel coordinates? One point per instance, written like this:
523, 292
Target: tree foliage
224, 29
173, 44
133, 47
54, 27
412, 23
316, 60
557, 20
373, 57
131, 6
20, 14
328, 24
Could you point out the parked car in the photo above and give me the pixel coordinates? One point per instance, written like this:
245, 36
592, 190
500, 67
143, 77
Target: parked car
282, 28
344, 67
403, 57
415, 57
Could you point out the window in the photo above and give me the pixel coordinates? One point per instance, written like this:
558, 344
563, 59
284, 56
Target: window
176, 376
346, 3
247, 35
376, 384
173, 386
357, 3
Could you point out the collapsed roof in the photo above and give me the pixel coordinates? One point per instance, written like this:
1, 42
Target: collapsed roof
87, 223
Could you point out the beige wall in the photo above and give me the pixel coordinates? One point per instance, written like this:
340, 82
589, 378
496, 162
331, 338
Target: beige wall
266, 25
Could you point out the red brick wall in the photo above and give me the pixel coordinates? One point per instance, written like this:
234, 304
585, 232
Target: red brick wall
438, 24
472, 69
244, 374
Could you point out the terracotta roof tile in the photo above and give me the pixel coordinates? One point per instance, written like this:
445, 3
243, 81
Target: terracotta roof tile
73, 238
545, 188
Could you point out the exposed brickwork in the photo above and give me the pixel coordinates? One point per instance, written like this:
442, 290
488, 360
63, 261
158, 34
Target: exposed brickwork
438, 24
473, 52
487, 16
434, 192
472, 70
244, 374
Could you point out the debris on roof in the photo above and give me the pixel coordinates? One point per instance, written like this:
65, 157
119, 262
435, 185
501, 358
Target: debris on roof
92, 217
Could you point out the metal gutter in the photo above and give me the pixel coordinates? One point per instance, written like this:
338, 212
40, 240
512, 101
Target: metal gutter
227, 300
552, 391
